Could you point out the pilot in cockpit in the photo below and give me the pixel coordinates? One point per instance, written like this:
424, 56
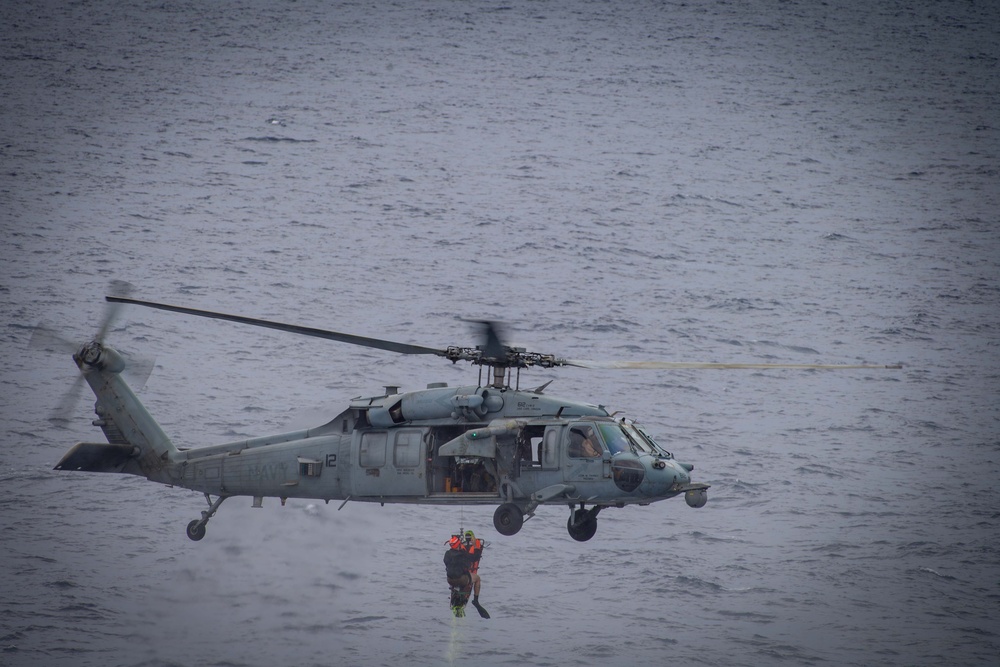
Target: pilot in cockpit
583, 443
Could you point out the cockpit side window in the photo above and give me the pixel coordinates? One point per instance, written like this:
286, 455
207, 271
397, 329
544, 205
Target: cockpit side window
583, 442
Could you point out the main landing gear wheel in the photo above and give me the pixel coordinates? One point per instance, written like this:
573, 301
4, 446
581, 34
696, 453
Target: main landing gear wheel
508, 519
196, 530
582, 524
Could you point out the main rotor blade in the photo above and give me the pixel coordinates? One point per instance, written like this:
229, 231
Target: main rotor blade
402, 348
492, 346
675, 365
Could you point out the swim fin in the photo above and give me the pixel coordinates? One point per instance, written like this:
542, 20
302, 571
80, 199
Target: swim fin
480, 609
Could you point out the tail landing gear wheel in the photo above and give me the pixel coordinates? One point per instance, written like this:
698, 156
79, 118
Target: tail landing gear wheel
508, 519
582, 524
196, 530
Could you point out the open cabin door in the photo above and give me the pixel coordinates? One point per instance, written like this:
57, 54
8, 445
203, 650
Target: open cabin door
463, 465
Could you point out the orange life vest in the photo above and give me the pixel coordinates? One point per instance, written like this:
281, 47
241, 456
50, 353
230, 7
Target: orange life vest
475, 550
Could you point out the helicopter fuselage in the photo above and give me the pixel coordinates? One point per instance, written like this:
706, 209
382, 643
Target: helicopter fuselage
430, 459
442, 446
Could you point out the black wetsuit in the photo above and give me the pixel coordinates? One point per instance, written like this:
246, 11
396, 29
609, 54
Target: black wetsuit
458, 567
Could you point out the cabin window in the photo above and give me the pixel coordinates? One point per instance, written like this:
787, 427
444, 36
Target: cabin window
530, 445
550, 449
407, 451
372, 454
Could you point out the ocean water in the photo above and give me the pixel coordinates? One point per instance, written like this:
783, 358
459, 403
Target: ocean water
693, 181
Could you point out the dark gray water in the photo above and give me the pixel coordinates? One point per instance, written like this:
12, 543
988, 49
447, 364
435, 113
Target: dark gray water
696, 181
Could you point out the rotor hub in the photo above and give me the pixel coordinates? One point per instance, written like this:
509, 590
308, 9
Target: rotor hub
91, 353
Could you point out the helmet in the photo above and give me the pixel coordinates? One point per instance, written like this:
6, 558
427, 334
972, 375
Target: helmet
470, 537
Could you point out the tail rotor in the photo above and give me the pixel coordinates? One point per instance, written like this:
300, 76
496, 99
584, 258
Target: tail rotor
48, 339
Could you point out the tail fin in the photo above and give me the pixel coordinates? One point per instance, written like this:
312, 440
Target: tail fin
136, 443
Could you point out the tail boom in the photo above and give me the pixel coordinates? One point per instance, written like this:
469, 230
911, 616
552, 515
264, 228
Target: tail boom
136, 443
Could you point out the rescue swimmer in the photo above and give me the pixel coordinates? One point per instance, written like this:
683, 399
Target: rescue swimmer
461, 562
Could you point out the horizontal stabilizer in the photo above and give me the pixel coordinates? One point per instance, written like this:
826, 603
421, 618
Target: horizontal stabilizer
96, 457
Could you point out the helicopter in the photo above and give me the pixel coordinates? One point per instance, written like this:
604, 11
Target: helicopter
491, 443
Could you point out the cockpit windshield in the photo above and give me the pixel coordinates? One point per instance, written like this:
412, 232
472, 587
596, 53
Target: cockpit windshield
623, 437
650, 445
640, 444
615, 438
627, 437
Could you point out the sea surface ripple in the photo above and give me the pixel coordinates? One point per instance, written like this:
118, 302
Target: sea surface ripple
694, 181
